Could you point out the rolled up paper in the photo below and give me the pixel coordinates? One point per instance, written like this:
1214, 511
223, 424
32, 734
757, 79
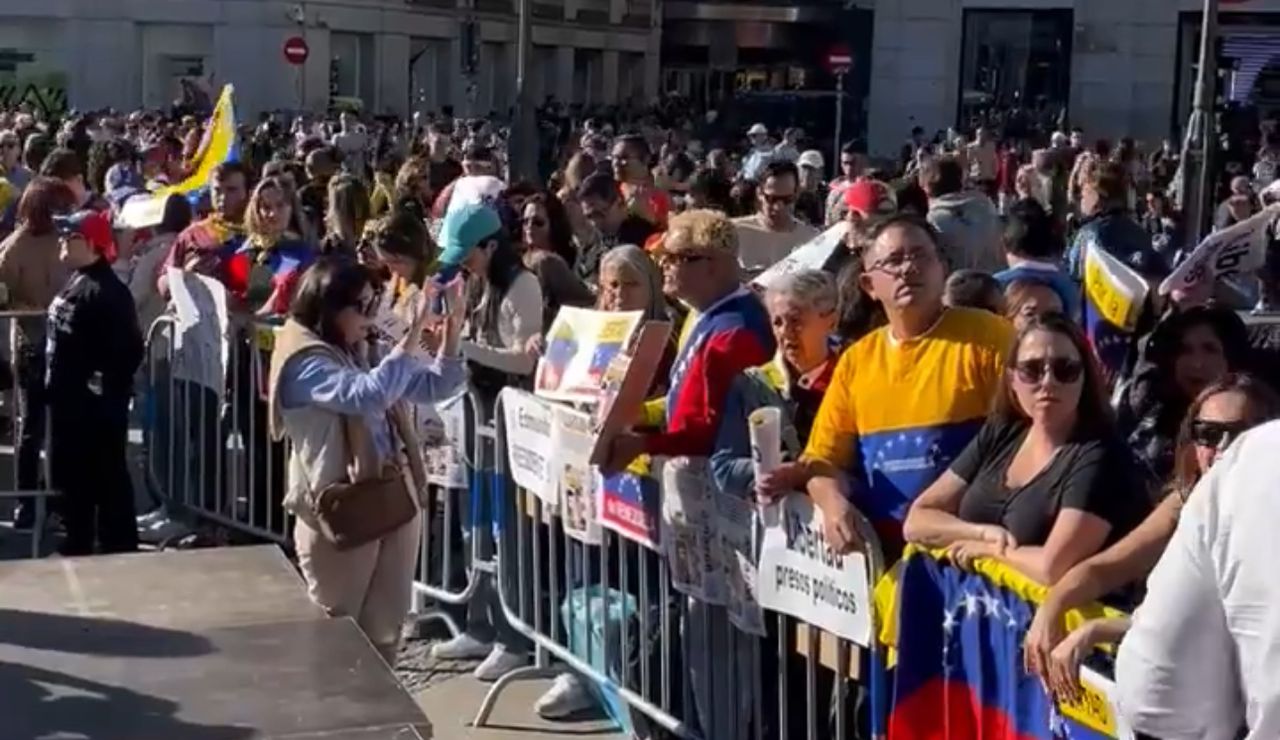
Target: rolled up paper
765, 428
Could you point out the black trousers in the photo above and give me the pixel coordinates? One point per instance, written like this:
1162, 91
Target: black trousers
91, 470
33, 403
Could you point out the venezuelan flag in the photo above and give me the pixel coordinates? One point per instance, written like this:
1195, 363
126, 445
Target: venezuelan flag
959, 674
219, 145
1114, 298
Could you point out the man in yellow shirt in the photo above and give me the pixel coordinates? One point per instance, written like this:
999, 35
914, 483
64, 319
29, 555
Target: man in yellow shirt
907, 398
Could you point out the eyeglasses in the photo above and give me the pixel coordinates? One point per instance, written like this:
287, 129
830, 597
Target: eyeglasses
1216, 435
1063, 370
778, 200
896, 263
682, 258
535, 221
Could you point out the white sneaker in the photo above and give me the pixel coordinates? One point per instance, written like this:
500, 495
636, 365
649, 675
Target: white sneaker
462, 647
566, 697
500, 662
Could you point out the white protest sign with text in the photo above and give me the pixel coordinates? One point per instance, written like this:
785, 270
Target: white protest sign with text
801, 577
530, 433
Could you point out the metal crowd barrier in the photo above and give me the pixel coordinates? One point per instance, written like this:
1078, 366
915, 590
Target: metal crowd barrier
443, 561
15, 405
672, 661
208, 449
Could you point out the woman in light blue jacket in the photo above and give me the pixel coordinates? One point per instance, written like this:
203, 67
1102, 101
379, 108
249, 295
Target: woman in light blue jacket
323, 371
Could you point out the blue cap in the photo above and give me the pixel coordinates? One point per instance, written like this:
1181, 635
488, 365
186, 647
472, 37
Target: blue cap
463, 228
1056, 280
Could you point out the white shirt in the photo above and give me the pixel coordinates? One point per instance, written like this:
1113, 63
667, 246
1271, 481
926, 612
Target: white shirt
759, 248
1203, 655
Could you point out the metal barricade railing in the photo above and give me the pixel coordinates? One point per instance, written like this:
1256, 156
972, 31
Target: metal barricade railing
207, 441
670, 660
443, 524
30, 476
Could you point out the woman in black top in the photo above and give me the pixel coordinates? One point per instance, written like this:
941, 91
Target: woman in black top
1046, 483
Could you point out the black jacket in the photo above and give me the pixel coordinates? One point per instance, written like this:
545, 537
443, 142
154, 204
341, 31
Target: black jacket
94, 343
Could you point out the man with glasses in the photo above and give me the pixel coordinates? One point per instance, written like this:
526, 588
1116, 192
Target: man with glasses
731, 332
850, 168
773, 230
907, 398
603, 207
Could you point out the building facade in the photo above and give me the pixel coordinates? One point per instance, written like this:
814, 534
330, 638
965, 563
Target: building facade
394, 56
1114, 67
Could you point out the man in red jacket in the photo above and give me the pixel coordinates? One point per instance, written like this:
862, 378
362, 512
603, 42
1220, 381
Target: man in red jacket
700, 267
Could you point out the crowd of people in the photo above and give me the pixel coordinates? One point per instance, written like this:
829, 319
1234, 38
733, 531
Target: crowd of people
933, 374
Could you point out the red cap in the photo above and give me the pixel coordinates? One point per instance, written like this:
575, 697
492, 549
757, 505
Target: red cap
869, 198
93, 226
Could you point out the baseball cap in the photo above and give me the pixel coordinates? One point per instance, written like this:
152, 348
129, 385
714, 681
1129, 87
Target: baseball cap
811, 158
463, 228
758, 129
93, 226
869, 198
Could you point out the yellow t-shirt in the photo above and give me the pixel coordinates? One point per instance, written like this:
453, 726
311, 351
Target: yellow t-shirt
897, 413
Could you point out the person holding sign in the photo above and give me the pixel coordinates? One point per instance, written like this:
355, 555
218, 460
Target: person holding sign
342, 406
906, 398
731, 333
802, 311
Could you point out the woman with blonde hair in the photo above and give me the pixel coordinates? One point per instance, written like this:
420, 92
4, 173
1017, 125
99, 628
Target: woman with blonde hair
348, 212
263, 272
578, 168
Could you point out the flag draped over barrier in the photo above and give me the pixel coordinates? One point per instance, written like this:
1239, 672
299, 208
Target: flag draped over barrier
219, 145
959, 673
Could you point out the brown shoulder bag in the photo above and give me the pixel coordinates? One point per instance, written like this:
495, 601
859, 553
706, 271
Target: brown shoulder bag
370, 506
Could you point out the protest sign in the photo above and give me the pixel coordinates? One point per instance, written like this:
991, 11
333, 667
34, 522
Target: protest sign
811, 255
573, 442
1237, 250
530, 425
799, 575
580, 345
626, 384
442, 429
201, 342
689, 538
1096, 706
630, 504
737, 524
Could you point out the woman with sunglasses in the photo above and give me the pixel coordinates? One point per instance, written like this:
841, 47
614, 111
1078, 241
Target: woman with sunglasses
1220, 414
1046, 483
324, 373
546, 241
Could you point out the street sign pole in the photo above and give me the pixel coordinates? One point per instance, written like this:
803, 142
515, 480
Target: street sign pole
1196, 186
522, 159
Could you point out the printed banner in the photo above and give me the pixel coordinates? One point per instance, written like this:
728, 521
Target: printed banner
201, 342
530, 434
580, 345
812, 255
801, 577
442, 429
1237, 250
737, 524
573, 441
629, 504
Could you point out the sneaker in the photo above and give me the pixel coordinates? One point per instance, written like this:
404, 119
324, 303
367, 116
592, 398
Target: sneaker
462, 647
500, 662
567, 696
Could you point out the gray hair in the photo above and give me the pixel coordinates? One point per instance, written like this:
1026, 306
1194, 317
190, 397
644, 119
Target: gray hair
813, 289
637, 261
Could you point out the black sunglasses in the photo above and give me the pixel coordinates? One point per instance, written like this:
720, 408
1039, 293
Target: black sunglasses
1216, 434
683, 258
1063, 370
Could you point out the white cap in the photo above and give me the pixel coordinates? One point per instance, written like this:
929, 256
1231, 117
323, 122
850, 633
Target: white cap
811, 158
758, 129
